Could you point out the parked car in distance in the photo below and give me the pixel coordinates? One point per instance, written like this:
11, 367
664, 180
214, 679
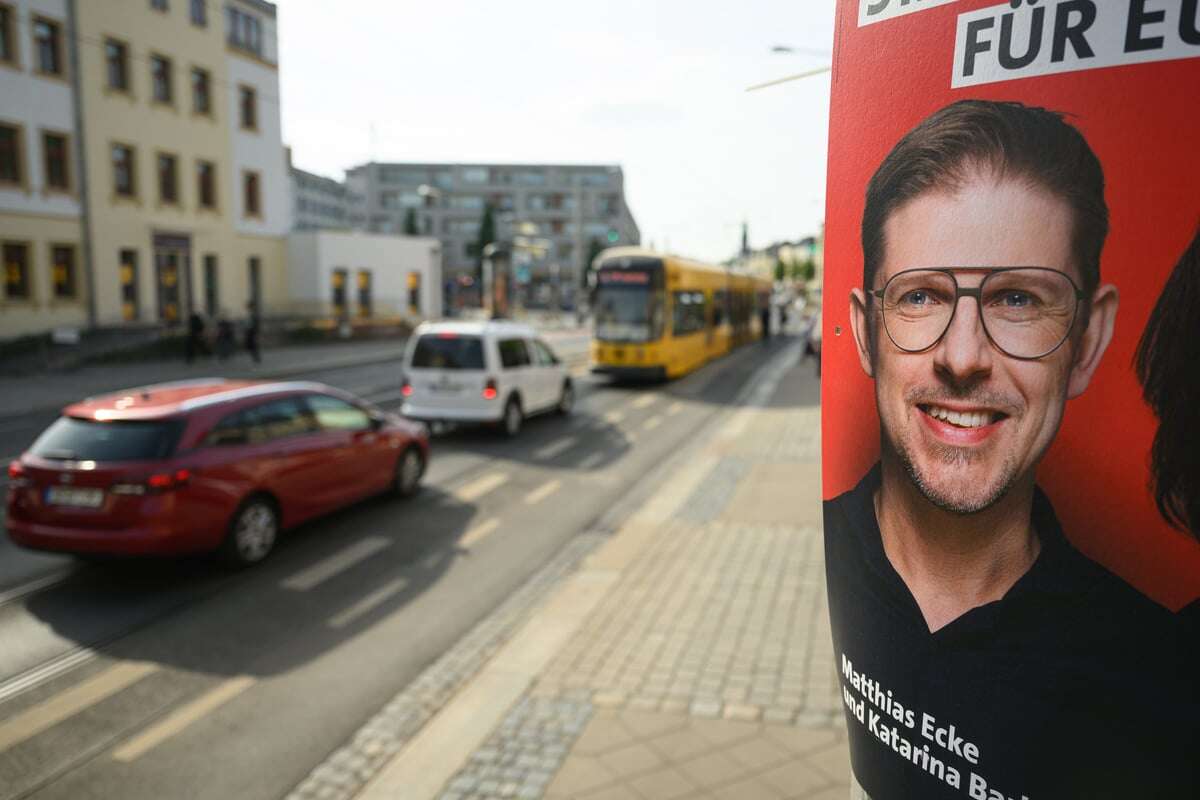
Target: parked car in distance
205, 465
493, 372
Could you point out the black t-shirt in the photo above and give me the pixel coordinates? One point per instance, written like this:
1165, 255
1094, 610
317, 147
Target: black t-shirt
1073, 685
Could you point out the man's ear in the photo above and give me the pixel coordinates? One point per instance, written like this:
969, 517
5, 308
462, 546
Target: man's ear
861, 328
1094, 340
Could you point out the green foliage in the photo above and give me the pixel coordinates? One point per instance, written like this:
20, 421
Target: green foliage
810, 270
780, 271
487, 235
410, 222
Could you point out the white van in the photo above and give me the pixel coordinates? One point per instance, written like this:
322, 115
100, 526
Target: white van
482, 372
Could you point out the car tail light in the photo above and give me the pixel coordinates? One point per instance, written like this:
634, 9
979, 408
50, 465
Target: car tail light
16, 475
156, 483
489, 389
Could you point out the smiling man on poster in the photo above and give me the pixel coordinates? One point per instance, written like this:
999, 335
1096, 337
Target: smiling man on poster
981, 654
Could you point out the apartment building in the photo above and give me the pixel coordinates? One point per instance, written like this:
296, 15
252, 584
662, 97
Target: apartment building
172, 196
45, 283
318, 203
565, 207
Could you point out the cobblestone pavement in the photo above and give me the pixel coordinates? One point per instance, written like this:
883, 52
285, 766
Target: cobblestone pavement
707, 671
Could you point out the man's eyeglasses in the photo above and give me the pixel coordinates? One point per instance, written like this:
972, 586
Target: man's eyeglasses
1027, 312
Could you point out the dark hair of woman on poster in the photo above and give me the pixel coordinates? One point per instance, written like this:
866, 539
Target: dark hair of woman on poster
1168, 365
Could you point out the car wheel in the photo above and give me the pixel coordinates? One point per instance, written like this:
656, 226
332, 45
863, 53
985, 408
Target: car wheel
567, 401
252, 532
513, 417
409, 470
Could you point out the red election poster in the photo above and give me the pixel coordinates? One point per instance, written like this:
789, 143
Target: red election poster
1011, 396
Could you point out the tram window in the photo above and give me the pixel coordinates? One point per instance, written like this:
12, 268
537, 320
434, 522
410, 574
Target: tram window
720, 307
688, 313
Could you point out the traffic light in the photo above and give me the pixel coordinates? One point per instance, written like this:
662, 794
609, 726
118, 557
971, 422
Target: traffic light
613, 236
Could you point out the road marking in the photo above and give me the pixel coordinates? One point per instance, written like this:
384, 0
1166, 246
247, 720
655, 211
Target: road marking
542, 492
554, 448
592, 461
39, 675
182, 717
385, 397
478, 533
70, 702
652, 423
613, 417
368, 603
644, 400
322, 571
674, 408
33, 585
481, 486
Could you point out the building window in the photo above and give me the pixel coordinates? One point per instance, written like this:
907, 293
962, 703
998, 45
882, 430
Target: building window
248, 108
129, 285
124, 171
47, 45
8, 47
11, 169
116, 57
168, 179
160, 80
200, 13
159, 5
201, 94
475, 175
17, 285
211, 288
245, 31
62, 272
58, 172
206, 184
253, 206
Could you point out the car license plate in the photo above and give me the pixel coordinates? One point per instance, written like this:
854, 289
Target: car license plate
74, 497
445, 388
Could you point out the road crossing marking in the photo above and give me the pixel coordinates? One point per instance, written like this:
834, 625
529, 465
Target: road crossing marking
181, 718
481, 486
33, 585
322, 571
614, 417
542, 492
674, 408
652, 423
368, 603
554, 448
68, 703
478, 533
644, 400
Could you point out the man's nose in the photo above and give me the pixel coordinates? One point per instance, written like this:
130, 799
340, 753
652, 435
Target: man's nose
964, 353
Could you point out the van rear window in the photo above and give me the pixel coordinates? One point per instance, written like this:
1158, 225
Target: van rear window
75, 439
445, 351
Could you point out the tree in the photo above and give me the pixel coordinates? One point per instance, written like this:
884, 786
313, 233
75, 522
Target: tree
487, 235
810, 270
780, 271
410, 222
796, 270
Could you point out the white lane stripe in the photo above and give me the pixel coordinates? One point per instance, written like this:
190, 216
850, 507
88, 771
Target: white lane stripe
322, 571
33, 585
592, 461
674, 408
181, 718
644, 400
39, 675
481, 486
613, 417
368, 603
68, 703
554, 448
478, 533
652, 423
542, 492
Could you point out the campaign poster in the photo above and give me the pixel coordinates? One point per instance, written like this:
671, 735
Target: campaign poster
1011, 396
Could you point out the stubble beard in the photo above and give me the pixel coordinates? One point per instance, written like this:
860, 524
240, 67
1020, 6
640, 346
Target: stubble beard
960, 500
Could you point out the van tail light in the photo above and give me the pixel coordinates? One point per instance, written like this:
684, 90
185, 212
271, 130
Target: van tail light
490, 391
406, 388
17, 477
157, 483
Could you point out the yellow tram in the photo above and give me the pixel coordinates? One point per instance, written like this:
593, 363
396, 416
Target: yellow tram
661, 316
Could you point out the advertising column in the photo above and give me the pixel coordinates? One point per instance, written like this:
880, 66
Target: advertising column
1011, 396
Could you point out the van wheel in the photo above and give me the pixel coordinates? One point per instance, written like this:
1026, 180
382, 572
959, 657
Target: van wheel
513, 417
567, 400
252, 533
409, 469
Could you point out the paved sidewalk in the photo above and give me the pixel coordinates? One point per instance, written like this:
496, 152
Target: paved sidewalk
689, 655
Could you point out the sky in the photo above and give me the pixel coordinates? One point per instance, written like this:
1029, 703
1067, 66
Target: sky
656, 86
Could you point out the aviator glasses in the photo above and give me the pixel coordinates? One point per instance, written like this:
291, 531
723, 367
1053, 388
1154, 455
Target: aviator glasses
1026, 312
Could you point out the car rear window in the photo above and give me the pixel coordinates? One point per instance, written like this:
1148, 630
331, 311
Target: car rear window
448, 351
75, 439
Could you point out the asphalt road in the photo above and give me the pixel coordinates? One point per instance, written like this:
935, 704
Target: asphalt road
183, 679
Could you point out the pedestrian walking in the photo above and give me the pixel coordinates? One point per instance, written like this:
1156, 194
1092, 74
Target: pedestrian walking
225, 343
251, 335
195, 338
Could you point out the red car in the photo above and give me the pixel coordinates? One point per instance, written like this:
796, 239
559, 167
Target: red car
205, 465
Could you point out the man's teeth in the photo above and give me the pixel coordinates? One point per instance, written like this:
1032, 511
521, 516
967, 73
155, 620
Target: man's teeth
971, 419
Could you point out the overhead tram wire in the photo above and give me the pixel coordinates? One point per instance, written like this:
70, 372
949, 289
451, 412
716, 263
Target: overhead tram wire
796, 77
